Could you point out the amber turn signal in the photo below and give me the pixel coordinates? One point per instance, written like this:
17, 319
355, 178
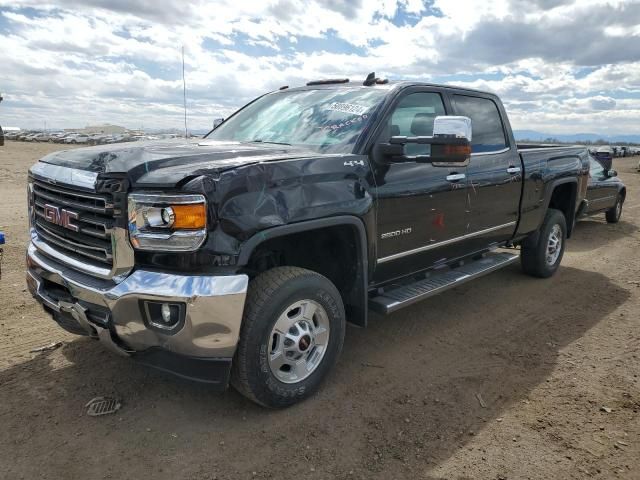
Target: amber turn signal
456, 150
191, 216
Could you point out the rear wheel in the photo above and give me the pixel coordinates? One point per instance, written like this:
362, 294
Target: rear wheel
614, 213
543, 258
292, 333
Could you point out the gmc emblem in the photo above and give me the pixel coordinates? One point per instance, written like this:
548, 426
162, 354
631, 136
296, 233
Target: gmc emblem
61, 217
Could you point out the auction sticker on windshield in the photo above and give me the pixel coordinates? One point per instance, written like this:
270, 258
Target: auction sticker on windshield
347, 108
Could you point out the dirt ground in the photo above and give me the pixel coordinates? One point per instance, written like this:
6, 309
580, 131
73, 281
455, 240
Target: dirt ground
507, 377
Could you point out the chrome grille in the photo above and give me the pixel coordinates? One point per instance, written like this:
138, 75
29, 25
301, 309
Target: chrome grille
92, 242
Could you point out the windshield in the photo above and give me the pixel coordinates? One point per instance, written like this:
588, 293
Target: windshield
328, 121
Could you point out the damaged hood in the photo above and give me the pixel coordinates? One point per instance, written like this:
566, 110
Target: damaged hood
171, 161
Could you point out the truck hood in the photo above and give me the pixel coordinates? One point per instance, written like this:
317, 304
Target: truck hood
171, 161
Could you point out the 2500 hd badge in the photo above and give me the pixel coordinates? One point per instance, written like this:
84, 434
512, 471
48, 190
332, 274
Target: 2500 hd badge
396, 233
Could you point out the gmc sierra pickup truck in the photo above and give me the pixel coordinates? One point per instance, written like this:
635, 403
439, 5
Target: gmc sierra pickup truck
240, 256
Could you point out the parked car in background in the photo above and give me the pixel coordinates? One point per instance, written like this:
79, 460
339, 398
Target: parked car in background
77, 138
97, 139
605, 192
63, 137
119, 138
604, 155
33, 137
47, 136
1, 137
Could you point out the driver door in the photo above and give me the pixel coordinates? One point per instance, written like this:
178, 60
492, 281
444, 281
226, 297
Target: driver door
420, 207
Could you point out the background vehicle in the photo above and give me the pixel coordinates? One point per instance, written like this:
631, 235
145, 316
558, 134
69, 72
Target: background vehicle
1, 137
241, 255
605, 193
604, 155
97, 139
77, 138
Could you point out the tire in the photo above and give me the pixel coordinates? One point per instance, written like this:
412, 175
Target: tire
536, 259
614, 213
280, 296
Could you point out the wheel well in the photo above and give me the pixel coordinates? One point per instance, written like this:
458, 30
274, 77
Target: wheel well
563, 198
623, 192
334, 252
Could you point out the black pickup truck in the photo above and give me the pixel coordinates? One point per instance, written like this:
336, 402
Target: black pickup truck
240, 256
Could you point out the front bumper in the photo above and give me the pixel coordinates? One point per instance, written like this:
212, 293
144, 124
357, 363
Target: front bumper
201, 349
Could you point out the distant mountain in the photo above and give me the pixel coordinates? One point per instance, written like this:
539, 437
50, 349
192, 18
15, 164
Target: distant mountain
577, 137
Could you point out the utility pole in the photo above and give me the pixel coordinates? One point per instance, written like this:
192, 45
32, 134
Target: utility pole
184, 96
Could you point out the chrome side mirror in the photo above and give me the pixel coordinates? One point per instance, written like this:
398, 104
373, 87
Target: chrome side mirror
456, 126
449, 144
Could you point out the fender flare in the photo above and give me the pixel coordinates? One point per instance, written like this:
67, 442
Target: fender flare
357, 300
547, 200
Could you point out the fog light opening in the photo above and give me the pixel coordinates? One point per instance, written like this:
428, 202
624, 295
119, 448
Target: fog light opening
166, 317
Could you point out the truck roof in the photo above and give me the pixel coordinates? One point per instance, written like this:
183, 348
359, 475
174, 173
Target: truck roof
388, 85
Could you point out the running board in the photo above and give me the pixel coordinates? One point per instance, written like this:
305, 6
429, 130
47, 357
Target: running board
398, 297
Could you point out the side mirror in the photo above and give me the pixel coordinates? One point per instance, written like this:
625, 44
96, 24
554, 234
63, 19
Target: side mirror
217, 122
611, 173
450, 143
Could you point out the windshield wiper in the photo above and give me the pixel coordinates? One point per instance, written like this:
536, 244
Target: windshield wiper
257, 140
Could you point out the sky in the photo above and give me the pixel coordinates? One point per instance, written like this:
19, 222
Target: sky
559, 66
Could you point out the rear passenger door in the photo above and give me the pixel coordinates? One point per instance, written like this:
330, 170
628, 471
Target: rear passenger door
494, 173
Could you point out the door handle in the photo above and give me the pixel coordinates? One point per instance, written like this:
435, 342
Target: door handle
454, 177
513, 170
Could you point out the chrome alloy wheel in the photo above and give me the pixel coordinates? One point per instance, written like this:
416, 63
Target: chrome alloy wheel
298, 341
554, 245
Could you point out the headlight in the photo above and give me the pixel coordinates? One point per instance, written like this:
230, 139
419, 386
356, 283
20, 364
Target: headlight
175, 223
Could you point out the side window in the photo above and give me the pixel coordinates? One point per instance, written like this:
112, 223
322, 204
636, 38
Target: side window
596, 170
414, 116
488, 132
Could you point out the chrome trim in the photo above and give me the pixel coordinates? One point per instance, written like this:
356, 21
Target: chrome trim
64, 243
197, 235
452, 164
479, 154
55, 174
123, 257
456, 125
602, 199
122, 251
76, 194
513, 170
454, 177
213, 316
66, 259
445, 242
181, 199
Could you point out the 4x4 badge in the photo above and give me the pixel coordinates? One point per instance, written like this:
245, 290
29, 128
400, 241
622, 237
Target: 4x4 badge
353, 163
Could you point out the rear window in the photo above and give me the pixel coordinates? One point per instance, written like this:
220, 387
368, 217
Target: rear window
488, 132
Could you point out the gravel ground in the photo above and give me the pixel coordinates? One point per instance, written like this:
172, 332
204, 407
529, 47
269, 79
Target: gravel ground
508, 377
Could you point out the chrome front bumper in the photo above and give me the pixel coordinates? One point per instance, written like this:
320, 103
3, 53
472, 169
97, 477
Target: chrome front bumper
214, 307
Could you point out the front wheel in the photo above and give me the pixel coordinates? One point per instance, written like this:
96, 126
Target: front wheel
292, 334
614, 213
543, 258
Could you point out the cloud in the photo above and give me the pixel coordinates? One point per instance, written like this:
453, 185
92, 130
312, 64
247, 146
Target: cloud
560, 66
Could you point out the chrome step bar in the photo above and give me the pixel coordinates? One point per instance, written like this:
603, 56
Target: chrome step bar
397, 297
